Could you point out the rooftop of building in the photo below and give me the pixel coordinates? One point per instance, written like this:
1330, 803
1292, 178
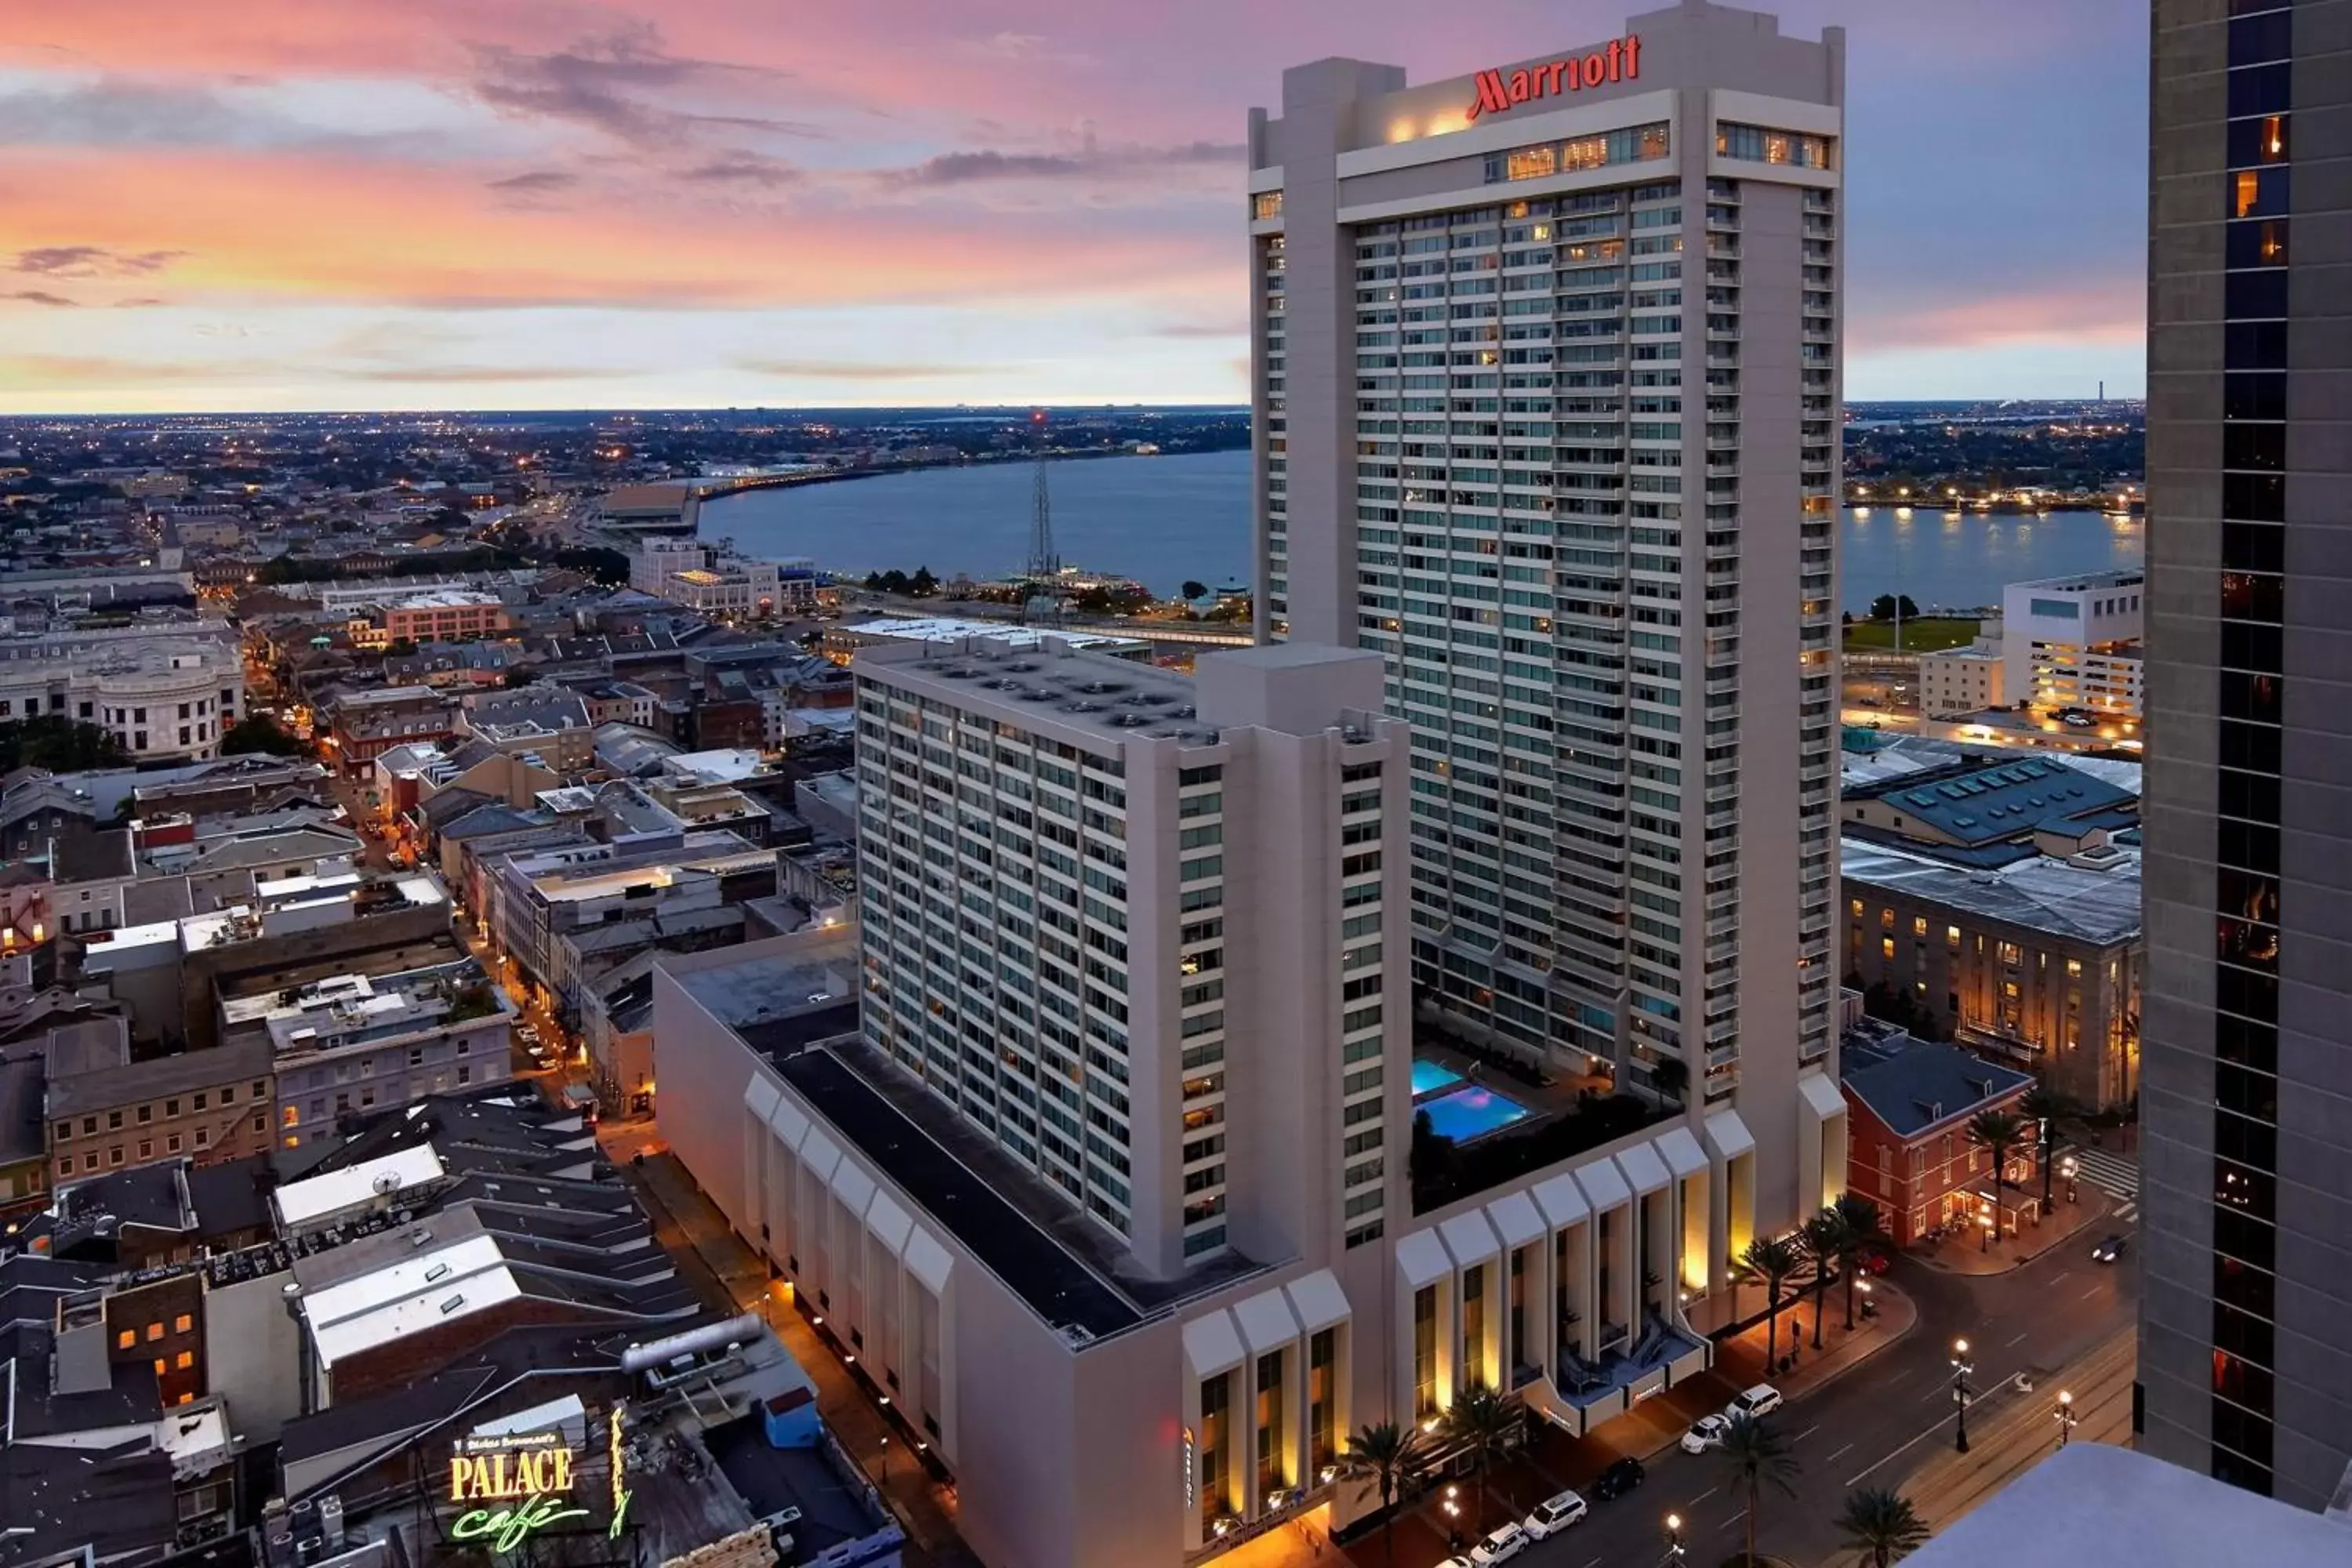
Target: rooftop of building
1911, 1084
94, 857
2091, 1502
1986, 801
446, 599
2038, 893
124, 1083
2084, 582
950, 630
339, 1008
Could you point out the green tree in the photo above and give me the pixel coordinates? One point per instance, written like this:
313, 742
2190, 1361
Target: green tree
258, 732
1859, 1230
1670, 1076
1389, 1456
1881, 1526
2000, 1132
1771, 1261
922, 584
60, 745
2044, 1107
1885, 607
1484, 1422
1192, 590
1759, 1456
1823, 1234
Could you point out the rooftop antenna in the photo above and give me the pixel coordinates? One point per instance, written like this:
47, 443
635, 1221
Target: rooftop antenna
1042, 579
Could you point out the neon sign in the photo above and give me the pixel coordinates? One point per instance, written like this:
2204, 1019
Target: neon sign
1498, 90
529, 1477
613, 1452
508, 1528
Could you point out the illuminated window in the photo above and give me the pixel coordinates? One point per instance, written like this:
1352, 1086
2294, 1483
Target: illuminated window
183, 1323
161, 1366
1919, 925
1530, 163
1952, 936
126, 1338
1886, 948
1266, 204
155, 1333
185, 1360
2074, 969
291, 1115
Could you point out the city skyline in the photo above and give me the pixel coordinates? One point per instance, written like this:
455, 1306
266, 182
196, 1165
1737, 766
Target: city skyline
497, 207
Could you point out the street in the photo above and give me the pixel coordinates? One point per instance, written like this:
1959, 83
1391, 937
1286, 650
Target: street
1879, 1425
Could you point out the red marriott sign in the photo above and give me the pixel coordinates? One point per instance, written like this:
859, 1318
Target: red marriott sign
1499, 90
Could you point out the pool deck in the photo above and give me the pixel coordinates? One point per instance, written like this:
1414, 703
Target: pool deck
1557, 1095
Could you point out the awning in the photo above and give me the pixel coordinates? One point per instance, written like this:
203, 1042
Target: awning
1821, 1096
1212, 1345
1681, 1152
1561, 1200
1604, 1187
1644, 1172
1515, 1219
760, 1095
1421, 1258
1469, 1238
1267, 1322
1318, 1302
889, 1224
1727, 1137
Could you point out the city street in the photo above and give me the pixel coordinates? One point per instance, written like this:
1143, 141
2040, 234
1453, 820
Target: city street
1881, 1425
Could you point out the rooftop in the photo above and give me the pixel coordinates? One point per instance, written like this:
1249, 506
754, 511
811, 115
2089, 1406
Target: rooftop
947, 629
2039, 893
2089, 1503
1911, 1084
1976, 803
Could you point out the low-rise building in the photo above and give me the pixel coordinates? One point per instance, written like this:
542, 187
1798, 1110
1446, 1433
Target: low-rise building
367, 723
351, 1043
1910, 1152
160, 694
107, 1112
444, 615
2072, 645
1959, 681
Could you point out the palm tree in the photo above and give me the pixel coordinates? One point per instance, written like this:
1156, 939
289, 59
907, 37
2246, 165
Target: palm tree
1771, 1261
1881, 1526
1670, 1076
2045, 1105
1758, 1454
1858, 1231
1483, 1421
1389, 1456
2000, 1132
1824, 1236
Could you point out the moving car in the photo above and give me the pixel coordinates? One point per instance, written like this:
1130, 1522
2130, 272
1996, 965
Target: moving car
2110, 1249
1617, 1479
1503, 1542
1875, 1262
1761, 1400
1553, 1515
1705, 1433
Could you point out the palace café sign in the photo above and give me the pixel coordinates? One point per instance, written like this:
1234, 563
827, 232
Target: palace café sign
1499, 90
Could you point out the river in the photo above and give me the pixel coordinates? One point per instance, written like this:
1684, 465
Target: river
1165, 520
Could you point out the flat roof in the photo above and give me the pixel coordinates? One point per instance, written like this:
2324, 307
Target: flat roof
317, 1196
2038, 893
390, 1303
947, 629
1056, 1286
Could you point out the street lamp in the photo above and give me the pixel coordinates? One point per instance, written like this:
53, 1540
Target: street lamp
2069, 1169
885, 1458
2066, 1416
1960, 1370
1673, 1538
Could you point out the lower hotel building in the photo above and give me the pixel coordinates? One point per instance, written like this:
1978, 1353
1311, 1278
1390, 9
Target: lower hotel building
1123, 1180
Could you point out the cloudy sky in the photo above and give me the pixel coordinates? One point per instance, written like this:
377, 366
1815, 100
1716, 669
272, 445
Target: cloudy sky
362, 204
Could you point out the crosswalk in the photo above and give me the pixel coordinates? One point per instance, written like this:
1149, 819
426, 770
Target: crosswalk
2117, 1174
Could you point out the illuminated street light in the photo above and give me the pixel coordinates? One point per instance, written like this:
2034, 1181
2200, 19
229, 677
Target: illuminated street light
1961, 1367
1673, 1538
2066, 1416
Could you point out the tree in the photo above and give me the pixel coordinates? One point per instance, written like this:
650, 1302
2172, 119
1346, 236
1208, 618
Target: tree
1670, 1076
1771, 1261
1881, 1526
60, 745
2001, 1132
1483, 1421
1389, 1456
922, 584
1859, 1230
1757, 1456
1823, 1234
1887, 605
1192, 590
2045, 1105
256, 732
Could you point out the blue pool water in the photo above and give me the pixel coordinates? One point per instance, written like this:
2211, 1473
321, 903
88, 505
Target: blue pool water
1468, 1113
1428, 1078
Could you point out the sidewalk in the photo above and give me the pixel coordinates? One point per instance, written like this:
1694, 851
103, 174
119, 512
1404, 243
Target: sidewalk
688, 1220
1739, 1359
1959, 1255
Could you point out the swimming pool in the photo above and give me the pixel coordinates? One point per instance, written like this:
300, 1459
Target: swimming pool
1428, 1078
1468, 1113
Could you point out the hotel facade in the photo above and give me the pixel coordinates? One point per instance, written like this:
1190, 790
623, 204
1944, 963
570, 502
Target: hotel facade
1548, 414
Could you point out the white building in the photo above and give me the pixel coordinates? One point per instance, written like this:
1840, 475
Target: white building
1547, 397
162, 694
711, 579
1109, 1185
1956, 682
2073, 643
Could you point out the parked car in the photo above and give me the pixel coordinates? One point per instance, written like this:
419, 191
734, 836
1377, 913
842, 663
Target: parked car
1617, 1479
1554, 1514
2110, 1249
1705, 1433
1503, 1542
1761, 1400
1875, 1262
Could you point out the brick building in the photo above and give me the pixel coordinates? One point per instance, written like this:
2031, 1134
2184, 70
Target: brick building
1910, 1102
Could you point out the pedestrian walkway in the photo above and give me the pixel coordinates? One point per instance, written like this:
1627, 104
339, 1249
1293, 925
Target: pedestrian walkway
693, 1230
1961, 1255
2117, 1174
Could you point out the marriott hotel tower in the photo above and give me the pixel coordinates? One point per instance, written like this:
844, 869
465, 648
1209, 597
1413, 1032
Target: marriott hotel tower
1547, 386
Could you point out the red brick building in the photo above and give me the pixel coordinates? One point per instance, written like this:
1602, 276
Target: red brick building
1908, 1149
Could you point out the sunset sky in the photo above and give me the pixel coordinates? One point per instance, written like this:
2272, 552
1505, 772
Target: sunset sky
487, 204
